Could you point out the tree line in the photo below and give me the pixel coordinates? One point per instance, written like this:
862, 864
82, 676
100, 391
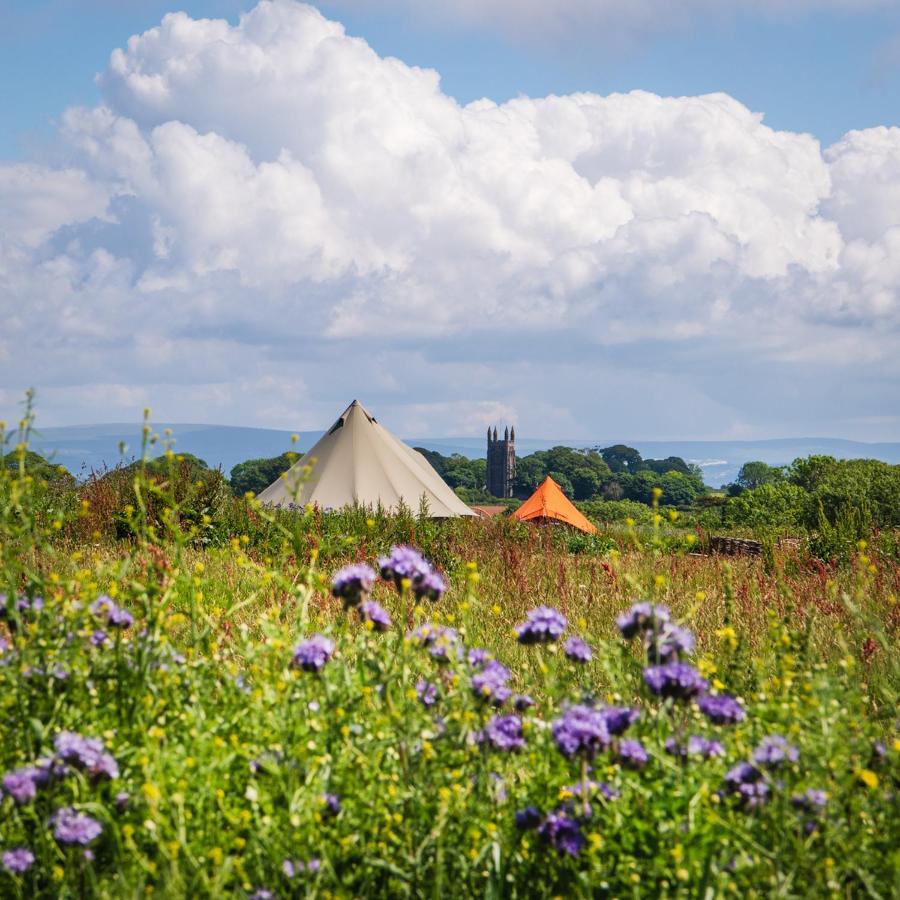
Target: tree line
609, 473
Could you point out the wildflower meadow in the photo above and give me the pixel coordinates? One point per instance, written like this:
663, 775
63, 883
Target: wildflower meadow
356, 705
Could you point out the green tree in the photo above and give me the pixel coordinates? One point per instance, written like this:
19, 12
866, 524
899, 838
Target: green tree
756, 473
620, 458
257, 474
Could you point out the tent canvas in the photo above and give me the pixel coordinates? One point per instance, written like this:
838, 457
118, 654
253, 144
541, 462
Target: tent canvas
549, 503
358, 462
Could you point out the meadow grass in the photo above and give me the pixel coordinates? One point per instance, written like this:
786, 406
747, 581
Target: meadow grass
238, 772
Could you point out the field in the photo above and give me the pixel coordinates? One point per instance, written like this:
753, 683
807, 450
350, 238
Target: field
188, 733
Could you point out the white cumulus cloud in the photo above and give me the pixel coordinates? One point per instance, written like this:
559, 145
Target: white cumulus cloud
271, 203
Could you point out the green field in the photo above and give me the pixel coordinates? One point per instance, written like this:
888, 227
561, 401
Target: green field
236, 771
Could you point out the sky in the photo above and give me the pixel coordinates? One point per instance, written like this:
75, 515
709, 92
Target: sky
593, 219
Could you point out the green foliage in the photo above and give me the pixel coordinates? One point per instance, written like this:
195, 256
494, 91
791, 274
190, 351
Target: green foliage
36, 466
255, 475
756, 474
778, 503
620, 458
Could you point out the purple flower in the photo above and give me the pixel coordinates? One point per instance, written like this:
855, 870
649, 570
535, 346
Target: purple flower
407, 564
426, 692
632, 754
775, 750
99, 637
73, 827
490, 683
578, 650
24, 605
542, 625
721, 709
353, 583
675, 679
529, 817
430, 586
312, 654
478, 656
618, 719
701, 746
262, 894
582, 730
438, 640
18, 860
331, 804
747, 783
521, 702
668, 643
115, 616
370, 611
811, 800
123, 798
87, 754
642, 616
21, 784
504, 733
562, 833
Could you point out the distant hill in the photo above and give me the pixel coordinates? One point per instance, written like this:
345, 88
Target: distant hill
83, 448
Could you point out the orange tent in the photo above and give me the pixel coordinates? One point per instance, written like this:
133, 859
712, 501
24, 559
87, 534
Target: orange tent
548, 503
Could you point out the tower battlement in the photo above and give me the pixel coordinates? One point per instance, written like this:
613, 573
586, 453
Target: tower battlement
501, 462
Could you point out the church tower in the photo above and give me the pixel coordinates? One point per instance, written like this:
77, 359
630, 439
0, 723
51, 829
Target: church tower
501, 462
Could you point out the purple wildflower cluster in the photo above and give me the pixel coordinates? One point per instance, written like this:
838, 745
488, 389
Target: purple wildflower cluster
440, 641
86, 754
721, 709
561, 829
774, 751
542, 625
642, 617
17, 861
632, 754
426, 692
406, 564
748, 784
562, 832
72, 752
73, 827
678, 680
478, 657
312, 654
581, 731
370, 611
490, 683
696, 745
504, 733
577, 649
748, 781
353, 583
108, 611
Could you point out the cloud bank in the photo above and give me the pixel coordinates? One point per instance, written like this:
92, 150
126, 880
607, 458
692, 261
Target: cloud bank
264, 219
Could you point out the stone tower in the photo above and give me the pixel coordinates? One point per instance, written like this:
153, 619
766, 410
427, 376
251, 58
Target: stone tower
501, 462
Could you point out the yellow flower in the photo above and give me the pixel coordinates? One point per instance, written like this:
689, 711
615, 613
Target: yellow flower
868, 778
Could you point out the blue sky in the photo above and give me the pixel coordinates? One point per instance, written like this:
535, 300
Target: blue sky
253, 220
824, 72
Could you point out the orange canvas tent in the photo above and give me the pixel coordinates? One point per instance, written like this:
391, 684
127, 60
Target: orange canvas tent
549, 504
